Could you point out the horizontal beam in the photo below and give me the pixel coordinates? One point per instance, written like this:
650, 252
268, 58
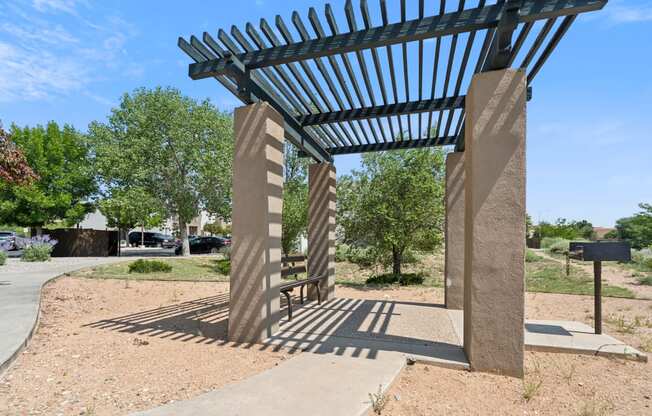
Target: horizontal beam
251, 89
395, 145
411, 107
413, 30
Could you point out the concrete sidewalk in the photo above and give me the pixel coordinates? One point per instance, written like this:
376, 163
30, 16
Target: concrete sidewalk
20, 297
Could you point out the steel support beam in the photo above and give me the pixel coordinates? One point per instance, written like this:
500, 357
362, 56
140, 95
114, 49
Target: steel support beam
412, 107
412, 30
381, 147
250, 89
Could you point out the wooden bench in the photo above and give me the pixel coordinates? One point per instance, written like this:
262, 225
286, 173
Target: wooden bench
293, 266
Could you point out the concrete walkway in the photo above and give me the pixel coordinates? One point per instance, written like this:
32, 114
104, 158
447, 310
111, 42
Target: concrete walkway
20, 296
351, 348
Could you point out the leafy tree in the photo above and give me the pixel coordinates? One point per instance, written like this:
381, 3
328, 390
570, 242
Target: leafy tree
295, 199
64, 183
176, 149
637, 229
566, 229
127, 209
216, 228
13, 164
395, 203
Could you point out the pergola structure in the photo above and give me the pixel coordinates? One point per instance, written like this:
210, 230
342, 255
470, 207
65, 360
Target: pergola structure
407, 76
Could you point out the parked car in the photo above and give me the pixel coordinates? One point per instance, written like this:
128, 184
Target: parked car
203, 245
151, 239
8, 237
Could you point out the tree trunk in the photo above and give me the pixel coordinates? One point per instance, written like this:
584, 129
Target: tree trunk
142, 235
38, 230
396, 261
183, 233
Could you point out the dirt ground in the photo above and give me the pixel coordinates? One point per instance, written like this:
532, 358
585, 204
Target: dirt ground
106, 347
613, 274
110, 347
559, 384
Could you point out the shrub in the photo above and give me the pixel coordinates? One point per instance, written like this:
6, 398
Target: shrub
555, 245
341, 252
149, 266
226, 250
547, 242
407, 279
223, 266
531, 256
646, 281
36, 248
643, 258
3, 258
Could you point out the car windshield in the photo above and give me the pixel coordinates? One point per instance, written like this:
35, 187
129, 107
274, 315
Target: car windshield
5, 234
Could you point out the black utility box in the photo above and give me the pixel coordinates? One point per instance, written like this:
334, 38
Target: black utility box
601, 250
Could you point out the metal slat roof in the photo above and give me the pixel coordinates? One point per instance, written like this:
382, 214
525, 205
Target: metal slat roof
369, 106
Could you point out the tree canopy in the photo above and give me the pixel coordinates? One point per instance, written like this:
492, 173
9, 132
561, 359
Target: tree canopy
14, 168
566, 229
64, 182
637, 229
176, 149
395, 203
128, 208
295, 199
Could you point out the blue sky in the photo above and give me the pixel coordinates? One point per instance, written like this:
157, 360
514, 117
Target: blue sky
589, 138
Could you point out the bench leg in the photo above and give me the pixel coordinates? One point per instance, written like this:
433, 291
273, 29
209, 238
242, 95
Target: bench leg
301, 293
287, 296
318, 294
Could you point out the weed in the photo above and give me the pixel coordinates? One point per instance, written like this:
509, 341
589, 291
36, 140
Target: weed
532, 383
531, 256
378, 400
570, 374
594, 409
647, 280
621, 324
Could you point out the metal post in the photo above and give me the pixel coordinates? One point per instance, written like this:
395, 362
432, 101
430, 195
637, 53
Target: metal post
597, 274
567, 264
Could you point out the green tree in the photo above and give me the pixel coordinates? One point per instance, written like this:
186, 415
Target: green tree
176, 149
295, 199
395, 203
130, 208
566, 229
637, 229
64, 180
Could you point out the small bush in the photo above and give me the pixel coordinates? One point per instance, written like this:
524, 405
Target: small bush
555, 245
226, 251
36, 248
341, 252
149, 266
647, 281
223, 266
531, 256
407, 279
3, 258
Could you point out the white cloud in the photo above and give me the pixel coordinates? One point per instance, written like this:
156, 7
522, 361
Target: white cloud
65, 6
629, 11
55, 56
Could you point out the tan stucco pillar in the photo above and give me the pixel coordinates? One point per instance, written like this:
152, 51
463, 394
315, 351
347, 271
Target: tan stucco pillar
454, 256
321, 227
494, 286
256, 224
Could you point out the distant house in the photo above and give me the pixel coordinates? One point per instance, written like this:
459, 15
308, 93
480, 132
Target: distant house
97, 221
600, 232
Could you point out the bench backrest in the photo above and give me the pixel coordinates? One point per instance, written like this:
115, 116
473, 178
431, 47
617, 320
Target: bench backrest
293, 265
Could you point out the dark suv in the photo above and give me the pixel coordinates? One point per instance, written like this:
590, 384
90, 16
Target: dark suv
151, 239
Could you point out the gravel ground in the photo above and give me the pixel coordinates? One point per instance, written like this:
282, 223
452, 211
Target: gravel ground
109, 347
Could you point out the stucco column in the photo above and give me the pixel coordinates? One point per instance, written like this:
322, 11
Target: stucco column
256, 224
454, 256
494, 288
321, 227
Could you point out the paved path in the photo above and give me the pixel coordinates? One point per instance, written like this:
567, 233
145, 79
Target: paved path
351, 348
20, 294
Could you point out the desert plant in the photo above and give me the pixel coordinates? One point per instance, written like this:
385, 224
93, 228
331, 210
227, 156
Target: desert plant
223, 266
622, 325
378, 400
406, 279
531, 256
149, 266
37, 248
